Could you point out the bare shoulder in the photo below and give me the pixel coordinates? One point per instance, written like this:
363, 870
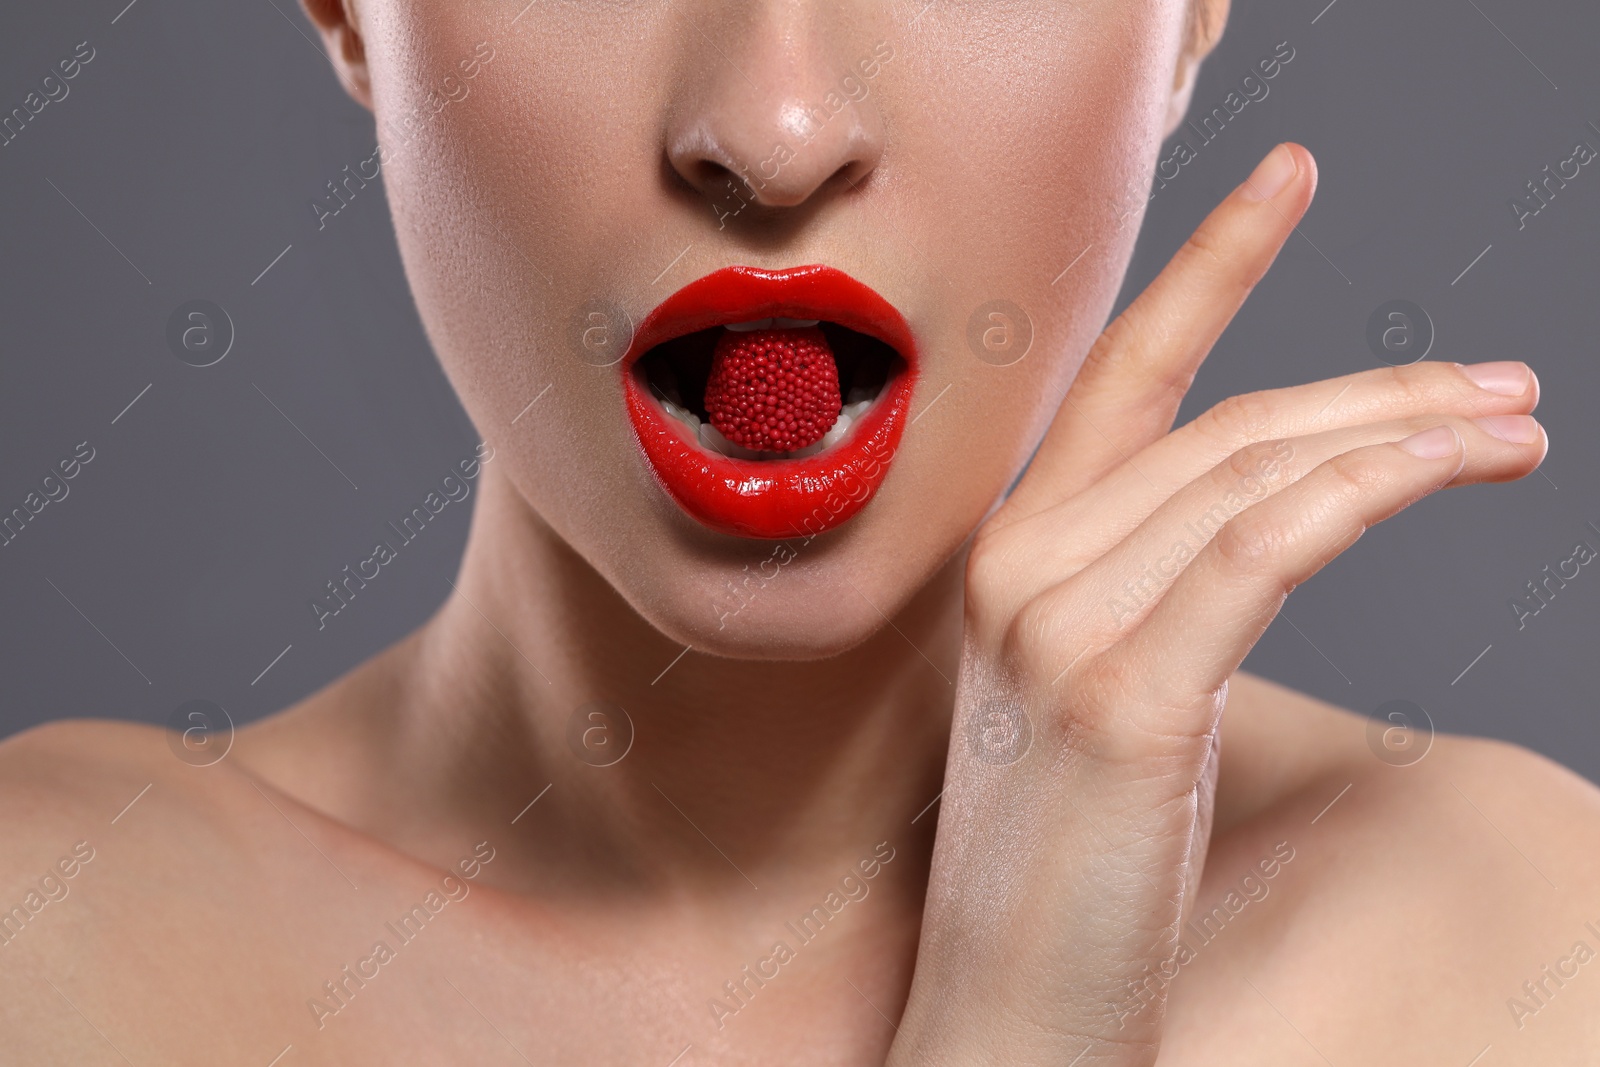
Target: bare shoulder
1430, 898
75, 779
124, 870
107, 805
1478, 880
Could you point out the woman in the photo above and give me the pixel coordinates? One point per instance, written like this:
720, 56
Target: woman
764, 724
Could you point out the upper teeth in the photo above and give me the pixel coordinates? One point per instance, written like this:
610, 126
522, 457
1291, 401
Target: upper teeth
770, 324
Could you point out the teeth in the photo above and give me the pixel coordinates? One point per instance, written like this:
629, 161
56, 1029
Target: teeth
834, 435
684, 416
837, 431
712, 440
769, 324
860, 394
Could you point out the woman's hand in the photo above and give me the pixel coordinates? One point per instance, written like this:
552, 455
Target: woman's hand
1108, 602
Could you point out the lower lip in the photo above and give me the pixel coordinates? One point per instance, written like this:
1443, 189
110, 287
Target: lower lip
772, 498
777, 499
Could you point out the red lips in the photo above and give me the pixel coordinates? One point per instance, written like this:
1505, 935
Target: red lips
783, 497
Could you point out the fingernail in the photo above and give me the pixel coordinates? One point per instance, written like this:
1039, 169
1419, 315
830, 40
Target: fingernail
1271, 175
1437, 443
1515, 429
1507, 378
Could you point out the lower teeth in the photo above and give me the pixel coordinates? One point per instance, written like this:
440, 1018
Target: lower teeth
712, 440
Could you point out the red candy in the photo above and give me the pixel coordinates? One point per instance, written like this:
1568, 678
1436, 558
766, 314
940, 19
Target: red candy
773, 390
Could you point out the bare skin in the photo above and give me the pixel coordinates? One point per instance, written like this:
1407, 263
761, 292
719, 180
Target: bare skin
205, 922
1185, 865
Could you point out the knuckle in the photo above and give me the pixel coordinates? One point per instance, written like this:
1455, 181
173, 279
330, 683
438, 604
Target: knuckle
1109, 682
1124, 348
1034, 639
984, 555
1049, 648
1410, 424
1207, 249
996, 550
1251, 543
1256, 459
1122, 715
1355, 474
1121, 334
989, 573
1092, 703
1414, 386
1242, 417
1098, 690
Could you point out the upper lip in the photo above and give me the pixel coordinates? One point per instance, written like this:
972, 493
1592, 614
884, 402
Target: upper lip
742, 294
797, 495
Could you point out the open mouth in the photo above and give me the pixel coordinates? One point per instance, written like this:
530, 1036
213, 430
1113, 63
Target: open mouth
773, 424
770, 403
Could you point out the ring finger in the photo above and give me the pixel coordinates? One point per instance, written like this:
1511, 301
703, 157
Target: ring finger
1123, 585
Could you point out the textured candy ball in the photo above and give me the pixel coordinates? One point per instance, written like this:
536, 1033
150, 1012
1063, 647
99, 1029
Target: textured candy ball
773, 390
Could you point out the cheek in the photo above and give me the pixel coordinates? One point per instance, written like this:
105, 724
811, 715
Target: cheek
1062, 111
517, 210
514, 204
1062, 117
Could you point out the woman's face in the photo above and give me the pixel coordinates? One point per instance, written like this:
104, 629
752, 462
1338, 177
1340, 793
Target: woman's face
557, 170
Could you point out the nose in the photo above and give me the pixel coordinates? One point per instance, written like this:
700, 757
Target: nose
777, 111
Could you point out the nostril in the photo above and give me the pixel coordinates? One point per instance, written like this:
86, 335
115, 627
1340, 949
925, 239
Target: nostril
718, 181
777, 151
853, 172
728, 192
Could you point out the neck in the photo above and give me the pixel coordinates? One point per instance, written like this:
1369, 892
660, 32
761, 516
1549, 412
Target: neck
535, 672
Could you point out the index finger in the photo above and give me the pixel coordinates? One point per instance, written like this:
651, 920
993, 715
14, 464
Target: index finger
1128, 391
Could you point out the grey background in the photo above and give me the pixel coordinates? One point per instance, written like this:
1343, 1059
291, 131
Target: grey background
186, 154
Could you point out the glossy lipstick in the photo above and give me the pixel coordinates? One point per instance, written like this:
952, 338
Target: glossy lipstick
772, 498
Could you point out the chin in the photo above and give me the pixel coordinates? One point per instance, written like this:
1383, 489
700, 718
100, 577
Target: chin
795, 599
799, 623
